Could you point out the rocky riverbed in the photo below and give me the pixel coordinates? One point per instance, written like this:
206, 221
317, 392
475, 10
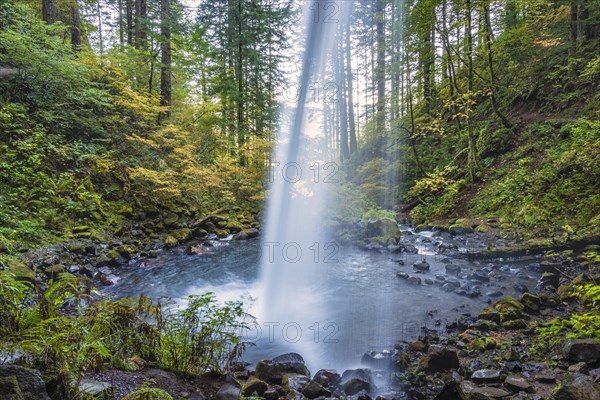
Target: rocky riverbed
491, 349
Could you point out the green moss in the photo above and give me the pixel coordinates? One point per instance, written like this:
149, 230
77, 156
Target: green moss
171, 241
21, 271
482, 344
509, 309
148, 394
182, 234
515, 324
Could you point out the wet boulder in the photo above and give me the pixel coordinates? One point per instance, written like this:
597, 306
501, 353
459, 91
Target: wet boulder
294, 382
421, 266
328, 378
377, 360
18, 383
246, 234
383, 228
357, 380
272, 371
312, 390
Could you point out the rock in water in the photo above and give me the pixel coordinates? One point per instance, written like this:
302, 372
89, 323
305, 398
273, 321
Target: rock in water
421, 265
328, 378
18, 383
586, 350
357, 380
377, 360
273, 370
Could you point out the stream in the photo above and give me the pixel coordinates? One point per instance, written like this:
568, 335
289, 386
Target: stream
363, 304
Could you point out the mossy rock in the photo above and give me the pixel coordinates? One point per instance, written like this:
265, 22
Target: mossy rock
170, 241
80, 229
182, 234
128, 251
482, 344
170, 219
53, 271
531, 302
514, 324
489, 314
22, 271
221, 233
483, 228
234, 226
148, 394
254, 385
199, 232
509, 309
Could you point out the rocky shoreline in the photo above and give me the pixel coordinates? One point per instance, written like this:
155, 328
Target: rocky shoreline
489, 355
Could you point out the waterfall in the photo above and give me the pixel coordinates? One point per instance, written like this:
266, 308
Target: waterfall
295, 250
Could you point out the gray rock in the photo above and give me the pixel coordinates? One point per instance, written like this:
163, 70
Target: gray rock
99, 390
486, 376
580, 367
273, 370
228, 391
545, 378
19, 383
577, 387
518, 384
586, 350
356, 380
475, 392
421, 265
294, 381
328, 378
246, 234
313, 390
415, 280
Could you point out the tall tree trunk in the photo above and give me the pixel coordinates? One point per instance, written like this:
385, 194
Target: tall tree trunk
380, 68
473, 164
120, 17
49, 11
350, 90
487, 37
338, 57
165, 50
240, 80
75, 28
141, 16
573, 29
100, 37
129, 16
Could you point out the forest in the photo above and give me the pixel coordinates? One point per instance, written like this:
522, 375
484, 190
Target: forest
134, 130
